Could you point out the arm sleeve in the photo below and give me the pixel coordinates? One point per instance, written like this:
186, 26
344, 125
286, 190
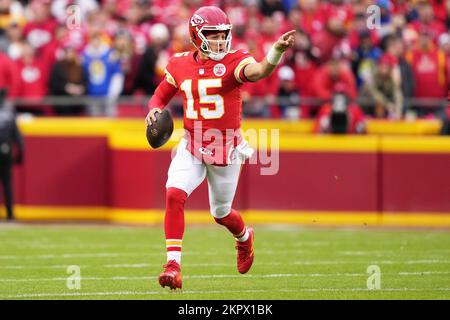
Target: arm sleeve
163, 94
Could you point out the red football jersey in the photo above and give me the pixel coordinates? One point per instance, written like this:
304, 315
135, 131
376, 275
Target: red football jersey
211, 88
212, 93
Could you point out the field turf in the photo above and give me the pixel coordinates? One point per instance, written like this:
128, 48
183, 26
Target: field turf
123, 262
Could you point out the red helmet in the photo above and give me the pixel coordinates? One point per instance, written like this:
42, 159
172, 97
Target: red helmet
209, 19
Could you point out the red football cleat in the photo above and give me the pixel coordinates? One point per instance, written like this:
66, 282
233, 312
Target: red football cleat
171, 276
245, 253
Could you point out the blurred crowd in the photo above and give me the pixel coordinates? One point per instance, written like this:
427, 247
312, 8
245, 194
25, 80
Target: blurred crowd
345, 55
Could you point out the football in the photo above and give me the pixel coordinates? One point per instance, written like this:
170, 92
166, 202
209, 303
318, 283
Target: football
160, 131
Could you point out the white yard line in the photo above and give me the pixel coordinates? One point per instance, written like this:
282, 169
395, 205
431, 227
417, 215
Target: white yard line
102, 255
135, 293
128, 265
194, 265
262, 276
379, 262
422, 273
184, 277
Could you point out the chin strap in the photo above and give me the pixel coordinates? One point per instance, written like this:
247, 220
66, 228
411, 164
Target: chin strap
217, 56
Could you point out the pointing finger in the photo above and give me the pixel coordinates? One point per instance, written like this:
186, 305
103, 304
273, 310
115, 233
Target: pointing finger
288, 34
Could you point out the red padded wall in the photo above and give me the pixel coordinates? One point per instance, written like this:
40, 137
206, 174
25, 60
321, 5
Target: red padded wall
423, 185
68, 171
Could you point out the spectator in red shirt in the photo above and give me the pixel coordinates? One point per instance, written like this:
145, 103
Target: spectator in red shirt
312, 17
441, 9
39, 32
32, 79
268, 33
304, 62
293, 21
427, 20
429, 68
338, 8
43, 33
332, 39
9, 77
332, 76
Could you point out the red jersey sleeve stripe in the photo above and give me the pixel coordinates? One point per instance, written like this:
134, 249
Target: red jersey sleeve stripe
240, 67
170, 79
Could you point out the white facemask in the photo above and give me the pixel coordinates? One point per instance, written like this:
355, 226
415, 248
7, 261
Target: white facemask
216, 55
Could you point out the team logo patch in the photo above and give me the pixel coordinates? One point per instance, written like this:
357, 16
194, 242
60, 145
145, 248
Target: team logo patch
219, 70
205, 151
196, 20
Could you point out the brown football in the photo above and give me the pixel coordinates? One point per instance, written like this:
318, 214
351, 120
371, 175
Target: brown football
160, 131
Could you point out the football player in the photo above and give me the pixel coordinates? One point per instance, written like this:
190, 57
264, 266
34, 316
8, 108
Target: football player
210, 78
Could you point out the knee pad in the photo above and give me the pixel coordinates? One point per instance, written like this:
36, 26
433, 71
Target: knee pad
220, 211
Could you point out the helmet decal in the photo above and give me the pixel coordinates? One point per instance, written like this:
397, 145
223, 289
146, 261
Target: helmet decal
196, 20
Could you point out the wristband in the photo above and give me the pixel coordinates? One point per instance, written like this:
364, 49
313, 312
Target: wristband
274, 56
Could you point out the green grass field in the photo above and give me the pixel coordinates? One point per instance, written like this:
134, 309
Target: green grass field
118, 262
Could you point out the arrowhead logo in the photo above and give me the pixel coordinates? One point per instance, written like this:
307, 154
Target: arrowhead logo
219, 70
196, 20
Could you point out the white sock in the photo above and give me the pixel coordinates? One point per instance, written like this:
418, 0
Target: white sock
244, 237
174, 255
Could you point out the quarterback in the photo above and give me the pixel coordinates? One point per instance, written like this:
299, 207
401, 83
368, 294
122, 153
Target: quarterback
210, 78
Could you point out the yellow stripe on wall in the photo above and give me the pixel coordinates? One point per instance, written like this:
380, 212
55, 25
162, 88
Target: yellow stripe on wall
127, 134
61, 213
143, 216
416, 144
418, 127
134, 141
286, 142
79, 126
101, 126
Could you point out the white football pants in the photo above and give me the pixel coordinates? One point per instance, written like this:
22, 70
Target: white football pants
187, 172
